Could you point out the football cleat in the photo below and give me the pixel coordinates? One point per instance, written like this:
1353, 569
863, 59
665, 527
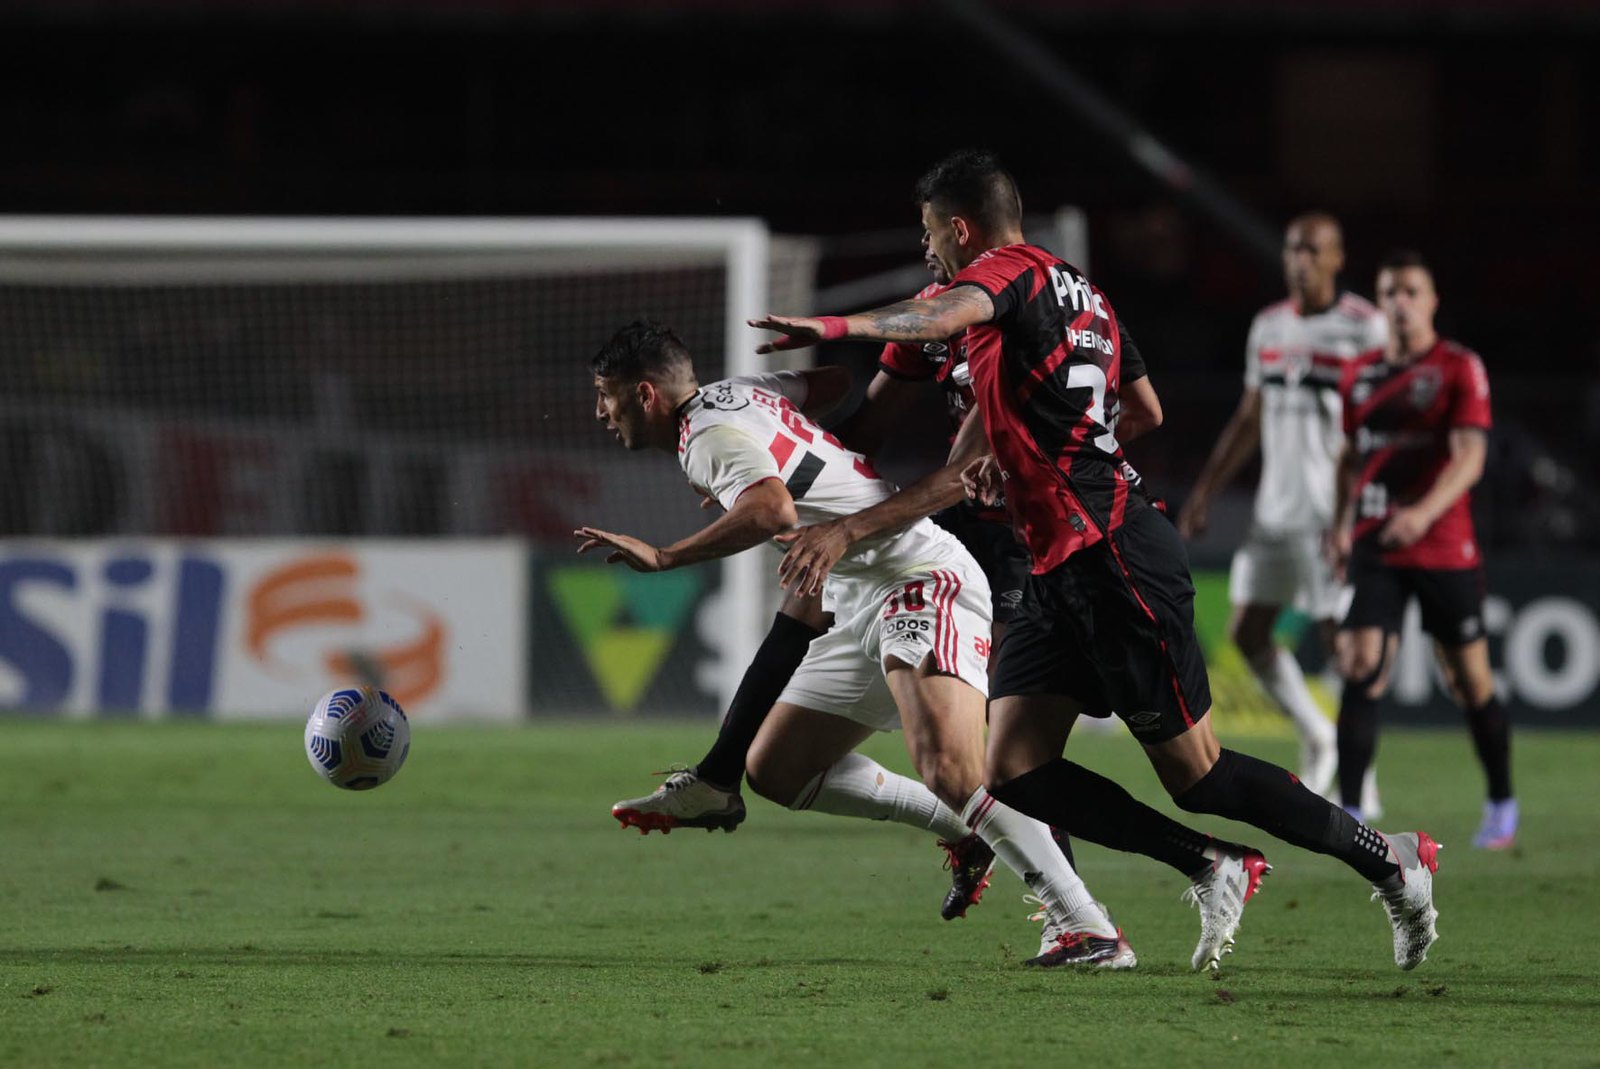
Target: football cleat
1499, 828
1058, 945
970, 860
1220, 894
683, 801
1408, 896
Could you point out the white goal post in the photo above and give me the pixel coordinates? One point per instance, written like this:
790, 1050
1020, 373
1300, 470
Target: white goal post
63, 363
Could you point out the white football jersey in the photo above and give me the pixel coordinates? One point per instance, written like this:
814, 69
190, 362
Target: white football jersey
1295, 361
735, 433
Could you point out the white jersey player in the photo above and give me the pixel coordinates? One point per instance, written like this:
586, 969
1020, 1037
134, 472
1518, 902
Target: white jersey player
1296, 351
909, 646
906, 595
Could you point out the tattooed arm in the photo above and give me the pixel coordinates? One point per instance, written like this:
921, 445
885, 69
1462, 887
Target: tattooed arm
933, 319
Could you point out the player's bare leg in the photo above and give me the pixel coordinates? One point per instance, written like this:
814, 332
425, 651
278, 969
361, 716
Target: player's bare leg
942, 717
1279, 674
1471, 684
1365, 657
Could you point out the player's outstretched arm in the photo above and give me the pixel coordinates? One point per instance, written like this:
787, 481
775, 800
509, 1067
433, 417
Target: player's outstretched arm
762, 512
814, 550
1469, 449
934, 319
1235, 445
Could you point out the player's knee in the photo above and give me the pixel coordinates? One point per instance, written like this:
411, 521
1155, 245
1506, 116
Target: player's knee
768, 777
1364, 669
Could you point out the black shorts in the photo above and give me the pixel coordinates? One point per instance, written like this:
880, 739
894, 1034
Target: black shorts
1113, 627
1451, 598
998, 551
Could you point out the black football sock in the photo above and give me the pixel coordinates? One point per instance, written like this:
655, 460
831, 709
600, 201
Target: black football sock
1241, 787
1358, 739
780, 654
1491, 737
1091, 807
1064, 844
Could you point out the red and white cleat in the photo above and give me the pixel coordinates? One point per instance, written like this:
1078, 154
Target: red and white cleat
683, 801
1220, 894
1408, 896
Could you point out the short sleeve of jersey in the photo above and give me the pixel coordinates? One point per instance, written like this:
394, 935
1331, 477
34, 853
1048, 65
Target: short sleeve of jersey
1252, 356
791, 384
1003, 275
904, 360
1470, 405
1133, 368
724, 461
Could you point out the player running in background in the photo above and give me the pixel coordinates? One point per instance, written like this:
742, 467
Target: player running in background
909, 644
1416, 415
1296, 351
1107, 621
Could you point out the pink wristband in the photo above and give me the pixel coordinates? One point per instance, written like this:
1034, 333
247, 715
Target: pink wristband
833, 327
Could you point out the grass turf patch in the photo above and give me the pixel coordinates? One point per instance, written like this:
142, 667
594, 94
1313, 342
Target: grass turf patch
191, 894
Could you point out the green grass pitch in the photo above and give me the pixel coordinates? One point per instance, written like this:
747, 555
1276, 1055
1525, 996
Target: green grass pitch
192, 895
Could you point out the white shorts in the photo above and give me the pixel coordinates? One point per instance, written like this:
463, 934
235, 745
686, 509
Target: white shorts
944, 612
1286, 570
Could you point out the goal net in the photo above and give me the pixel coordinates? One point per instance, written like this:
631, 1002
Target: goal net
390, 379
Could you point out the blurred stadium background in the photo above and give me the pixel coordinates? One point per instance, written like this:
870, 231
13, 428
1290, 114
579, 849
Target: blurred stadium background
242, 460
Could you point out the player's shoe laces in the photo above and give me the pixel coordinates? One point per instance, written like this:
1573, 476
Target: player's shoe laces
1408, 896
1499, 828
1059, 944
1220, 894
683, 801
970, 861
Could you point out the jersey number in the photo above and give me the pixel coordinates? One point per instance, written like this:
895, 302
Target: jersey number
1081, 376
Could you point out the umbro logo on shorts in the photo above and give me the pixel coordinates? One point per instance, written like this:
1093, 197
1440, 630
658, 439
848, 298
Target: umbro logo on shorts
1011, 597
1143, 720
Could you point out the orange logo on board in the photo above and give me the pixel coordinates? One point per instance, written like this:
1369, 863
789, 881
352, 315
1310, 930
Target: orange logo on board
323, 591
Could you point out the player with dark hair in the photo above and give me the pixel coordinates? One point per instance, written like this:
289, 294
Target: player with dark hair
1107, 620
1290, 407
1416, 417
909, 644
1222, 875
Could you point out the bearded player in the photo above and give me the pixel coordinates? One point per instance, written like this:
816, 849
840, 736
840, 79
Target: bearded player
1107, 622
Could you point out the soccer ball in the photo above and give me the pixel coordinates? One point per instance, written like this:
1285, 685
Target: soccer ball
357, 738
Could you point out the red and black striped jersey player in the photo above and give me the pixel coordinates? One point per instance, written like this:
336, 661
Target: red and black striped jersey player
1416, 420
1107, 620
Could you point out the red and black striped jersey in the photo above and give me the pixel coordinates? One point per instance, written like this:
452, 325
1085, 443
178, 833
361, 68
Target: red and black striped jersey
1047, 372
1398, 419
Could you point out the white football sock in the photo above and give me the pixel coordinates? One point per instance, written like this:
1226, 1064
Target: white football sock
1279, 675
860, 787
1027, 849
